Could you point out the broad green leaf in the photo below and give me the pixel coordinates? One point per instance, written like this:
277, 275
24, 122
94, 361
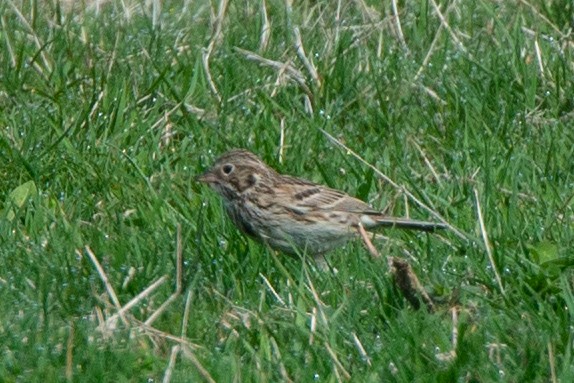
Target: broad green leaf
544, 251
18, 197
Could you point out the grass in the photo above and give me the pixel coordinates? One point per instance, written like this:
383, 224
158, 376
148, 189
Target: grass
108, 110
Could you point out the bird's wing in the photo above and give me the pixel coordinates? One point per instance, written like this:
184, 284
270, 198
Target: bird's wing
303, 195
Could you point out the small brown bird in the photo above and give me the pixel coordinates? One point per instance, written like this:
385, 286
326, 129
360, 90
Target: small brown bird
291, 214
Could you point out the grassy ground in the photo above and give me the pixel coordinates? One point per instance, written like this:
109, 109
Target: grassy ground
107, 111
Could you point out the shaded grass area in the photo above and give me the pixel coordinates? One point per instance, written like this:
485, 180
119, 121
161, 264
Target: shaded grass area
108, 112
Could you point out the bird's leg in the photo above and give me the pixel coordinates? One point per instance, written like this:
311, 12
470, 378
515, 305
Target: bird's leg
367, 241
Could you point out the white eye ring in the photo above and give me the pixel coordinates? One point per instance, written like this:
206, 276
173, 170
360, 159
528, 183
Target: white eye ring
227, 169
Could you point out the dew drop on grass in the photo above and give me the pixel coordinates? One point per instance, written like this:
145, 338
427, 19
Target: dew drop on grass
378, 346
323, 114
393, 368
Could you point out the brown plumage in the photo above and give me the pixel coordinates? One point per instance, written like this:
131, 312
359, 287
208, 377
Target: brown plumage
291, 214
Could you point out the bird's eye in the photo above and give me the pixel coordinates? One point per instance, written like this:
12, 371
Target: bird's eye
227, 169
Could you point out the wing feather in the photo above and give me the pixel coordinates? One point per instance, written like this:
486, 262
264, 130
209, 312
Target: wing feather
305, 195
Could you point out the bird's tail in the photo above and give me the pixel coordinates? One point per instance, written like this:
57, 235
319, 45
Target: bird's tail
405, 223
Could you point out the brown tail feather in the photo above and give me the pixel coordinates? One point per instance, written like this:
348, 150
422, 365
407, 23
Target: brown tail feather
405, 223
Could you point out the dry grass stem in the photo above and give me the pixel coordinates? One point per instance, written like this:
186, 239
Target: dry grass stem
178, 279
313, 325
539, 58
171, 364
432, 46
337, 364
155, 12
337, 24
361, 349
107, 284
152, 331
265, 28
545, 19
318, 302
444, 22
70, 354
39, 45
215, 37
552, 362
277, 353
451, 355
178, 260
369, 14
157, 313
270, 287
137, 299
399, 29
487, 244
281, 139
419, 203
291, 72
202, 371
13, 61
433, 94
186, 310
303, 57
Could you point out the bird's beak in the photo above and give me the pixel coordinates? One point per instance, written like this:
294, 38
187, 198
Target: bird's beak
207, 177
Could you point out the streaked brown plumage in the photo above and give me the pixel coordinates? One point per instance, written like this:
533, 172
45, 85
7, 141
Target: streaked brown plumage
291, 214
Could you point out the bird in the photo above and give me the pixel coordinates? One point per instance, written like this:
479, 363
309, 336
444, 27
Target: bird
290, 214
